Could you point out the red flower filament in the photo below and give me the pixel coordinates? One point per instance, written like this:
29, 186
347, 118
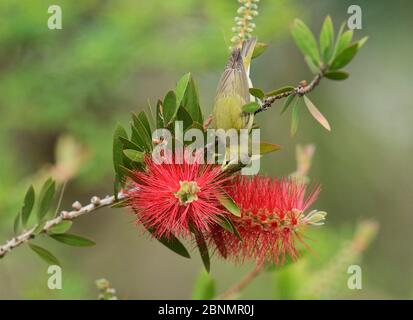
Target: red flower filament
168, 198
272, 211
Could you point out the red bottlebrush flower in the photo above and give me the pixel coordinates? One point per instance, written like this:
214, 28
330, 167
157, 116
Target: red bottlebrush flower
170, 197
272, 211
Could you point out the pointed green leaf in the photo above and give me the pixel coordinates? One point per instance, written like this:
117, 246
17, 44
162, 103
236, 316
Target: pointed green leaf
44, 254
202, 247
126, 172
343, 41
118, 147
16, 223
336, 75
128, 144
134, 155
191, 101
61, 227
362, 41
72, 240
227, 224
45, 199
316, 114
280, 90
327, 39
144, 121
259, 49
204, 287
266, 147
287, 103
181, 88
256, 92
27, 206
175, 245
344, 57
305, 41
170, 108
295, 117
229, 204
172, 243
159, 115
140, 135
39, 227
251, 107
185, 117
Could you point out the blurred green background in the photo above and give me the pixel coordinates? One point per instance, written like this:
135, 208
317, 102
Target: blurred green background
111, 56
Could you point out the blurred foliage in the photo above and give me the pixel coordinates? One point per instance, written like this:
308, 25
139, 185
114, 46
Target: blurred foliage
113, 55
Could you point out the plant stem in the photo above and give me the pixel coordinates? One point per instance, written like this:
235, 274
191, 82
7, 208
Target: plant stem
27, 235
302, 89
239, 286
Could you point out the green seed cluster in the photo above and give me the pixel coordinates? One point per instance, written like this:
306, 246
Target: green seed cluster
243, 21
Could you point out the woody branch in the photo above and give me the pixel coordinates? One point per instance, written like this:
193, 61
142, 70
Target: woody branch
302, 89
95, 204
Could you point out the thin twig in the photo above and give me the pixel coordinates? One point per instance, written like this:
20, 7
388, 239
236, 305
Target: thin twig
239, 286
302, 89
95, 204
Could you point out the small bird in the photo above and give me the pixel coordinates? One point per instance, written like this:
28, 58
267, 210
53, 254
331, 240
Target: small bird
233, 89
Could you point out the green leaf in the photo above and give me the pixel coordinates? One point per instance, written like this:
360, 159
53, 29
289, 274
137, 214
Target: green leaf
280, 90
266, 147
128, 144
287, 103
44, 254
227, 224
259, 49
202, 247
39, 227
181, 88
134, 155
204, 287
251, 107
305, 41
16, 223
185, 117
144, 121
343, 42
170, 108
117, 148
362, 41
344, 57
316, 114
171, 243
229, 204
256, 92
159, 115
140, 135
46, 197
336, 75
126, 172
61, 227
295, 117
28, 204
73, 240
191, 101
327, 39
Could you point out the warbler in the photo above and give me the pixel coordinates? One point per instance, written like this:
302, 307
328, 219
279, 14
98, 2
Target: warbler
233, 90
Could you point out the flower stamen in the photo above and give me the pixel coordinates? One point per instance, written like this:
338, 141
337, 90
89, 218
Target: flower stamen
187, 192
